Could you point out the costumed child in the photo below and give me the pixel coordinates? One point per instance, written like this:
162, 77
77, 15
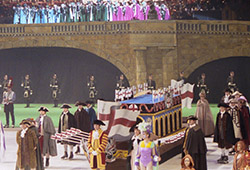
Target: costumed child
133, 146
27, 142
187, 163
239, 158
146, 157
224, 133
97, 143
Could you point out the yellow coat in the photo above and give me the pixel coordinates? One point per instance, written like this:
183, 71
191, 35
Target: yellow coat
98, 145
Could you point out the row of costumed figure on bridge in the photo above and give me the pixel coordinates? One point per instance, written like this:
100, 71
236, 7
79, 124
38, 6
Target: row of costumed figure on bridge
26, 13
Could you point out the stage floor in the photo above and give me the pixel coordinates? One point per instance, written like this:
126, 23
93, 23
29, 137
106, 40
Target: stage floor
80, 162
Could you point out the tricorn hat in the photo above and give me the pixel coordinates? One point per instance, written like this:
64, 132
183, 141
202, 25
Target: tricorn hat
65, 106
98, 122
25, 122
89, 102
80, 103
42, 108
223, 105
192, 117
135, 126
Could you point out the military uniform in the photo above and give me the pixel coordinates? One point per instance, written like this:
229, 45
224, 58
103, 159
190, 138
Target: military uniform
231, 84
26, 84
54, 85
92, 90
151, 85
203, 87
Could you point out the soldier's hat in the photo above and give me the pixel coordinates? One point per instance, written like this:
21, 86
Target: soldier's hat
80, 103
227, 90
65, 106
192, 117
23, 122
223, 105
98, 122
89, 102
42, 108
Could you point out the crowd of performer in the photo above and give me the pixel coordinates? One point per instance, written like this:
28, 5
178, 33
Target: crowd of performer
29, 12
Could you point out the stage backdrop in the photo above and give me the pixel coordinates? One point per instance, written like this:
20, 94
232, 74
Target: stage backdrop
217, 73
72, 67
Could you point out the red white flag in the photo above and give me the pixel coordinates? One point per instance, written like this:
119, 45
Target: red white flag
187, 95
118, 121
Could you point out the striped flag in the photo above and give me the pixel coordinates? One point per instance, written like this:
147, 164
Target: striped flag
187, 95
117, 121
2, 142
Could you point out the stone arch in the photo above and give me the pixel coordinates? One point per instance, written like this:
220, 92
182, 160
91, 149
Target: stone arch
97, 51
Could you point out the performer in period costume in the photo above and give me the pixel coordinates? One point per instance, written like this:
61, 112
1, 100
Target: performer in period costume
39, 159
55, 87
27, 93
151, 83
146, 157
133, 147
82, 120
195, 145
231, 84
224, 133
46, 129
66, 121
239, 162
121, 84
97, 143
236, 118
236, 95
91, 112
9, 97
227, 96
202, 84
92, 89
204, 115
187, 163
245, 119
27, 142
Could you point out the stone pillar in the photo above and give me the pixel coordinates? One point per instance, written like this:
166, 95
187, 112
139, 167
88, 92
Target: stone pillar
169, 65
141, 65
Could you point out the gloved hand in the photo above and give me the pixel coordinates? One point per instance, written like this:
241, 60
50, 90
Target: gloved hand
94, 153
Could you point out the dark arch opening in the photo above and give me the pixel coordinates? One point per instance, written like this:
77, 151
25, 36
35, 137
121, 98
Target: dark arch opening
161, 124
216, 76
156, 128
166, 124
72, 67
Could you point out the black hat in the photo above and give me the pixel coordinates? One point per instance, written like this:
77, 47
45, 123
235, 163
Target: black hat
227, 90
23, 122
42, 108
98, 122
65, 106
80, 103
89, 102
192, 117
30, 120
223, 105
138, 120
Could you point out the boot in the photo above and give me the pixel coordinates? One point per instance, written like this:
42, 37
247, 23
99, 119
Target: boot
77, 150
65, 155
71, 155
47, 162
221, 159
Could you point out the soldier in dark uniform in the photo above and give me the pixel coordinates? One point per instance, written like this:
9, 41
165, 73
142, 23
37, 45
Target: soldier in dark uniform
26, 84
202, 84
121, 84
151, 83
92, 89
55, 87
195, 145
5, 83
66, 121
82, 120
231, 82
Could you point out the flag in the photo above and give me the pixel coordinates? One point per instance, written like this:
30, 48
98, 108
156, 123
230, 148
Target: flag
176, 86
116, 94
154, 95
140, 88
2, 142
145, 86
134, 90
117, 121
187, 95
